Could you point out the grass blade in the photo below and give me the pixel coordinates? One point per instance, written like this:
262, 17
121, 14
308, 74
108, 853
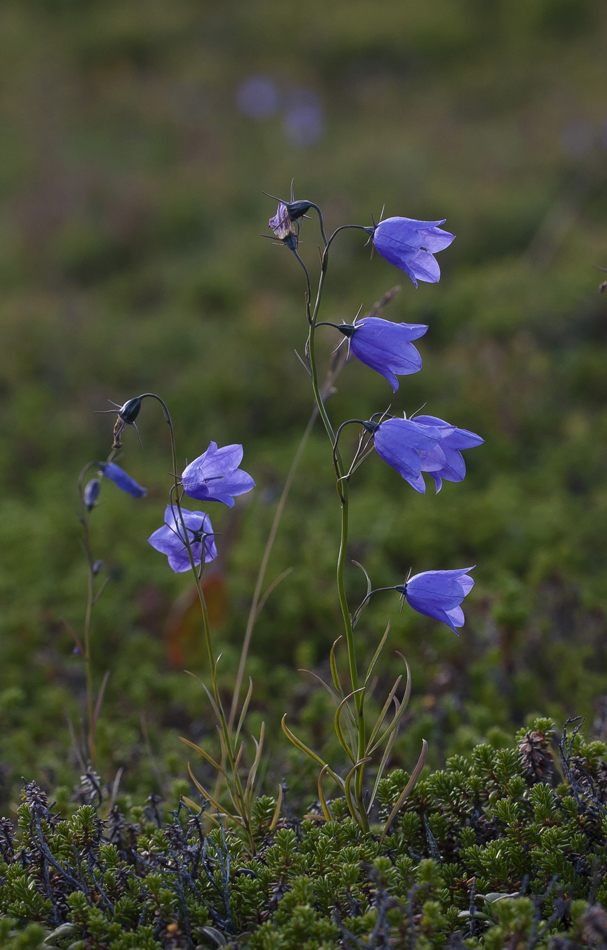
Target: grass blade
304, 748
383, 713
334, 671
406, 790
321, 796
204, 754
377, 654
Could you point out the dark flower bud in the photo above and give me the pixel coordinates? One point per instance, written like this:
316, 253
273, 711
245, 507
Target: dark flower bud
129, 412
297, 209
76, 651
91, 493
291, 242
97, 567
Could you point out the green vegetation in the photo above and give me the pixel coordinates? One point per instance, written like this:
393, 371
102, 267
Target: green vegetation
129, 261
503, 849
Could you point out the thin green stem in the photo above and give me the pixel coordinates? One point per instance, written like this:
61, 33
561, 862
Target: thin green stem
238, 791
342, 488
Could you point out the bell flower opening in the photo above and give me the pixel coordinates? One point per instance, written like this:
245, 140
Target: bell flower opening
386, 347
215, 475
170, 539
438, 594
445, 461
424, 444
411, 245
400, 441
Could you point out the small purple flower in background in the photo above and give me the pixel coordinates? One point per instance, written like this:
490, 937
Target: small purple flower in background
258, 97
385, 346
303, 118
400, 441
170, 539
438, 594
91, 493
215, 475
411, 245
445, 460
577, 139
119, 477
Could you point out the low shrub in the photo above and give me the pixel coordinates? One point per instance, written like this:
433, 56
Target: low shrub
504, 848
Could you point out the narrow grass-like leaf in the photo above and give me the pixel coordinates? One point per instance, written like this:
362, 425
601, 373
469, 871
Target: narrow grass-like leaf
331, 692
406, 790
245, 708
321, 795
304, 748
253, 770
368, 594
334, 671
276, 814
210, 698
205, 794
338, 728
381, 768
204, 754
377, 653
351, 804
399, 712
383, 713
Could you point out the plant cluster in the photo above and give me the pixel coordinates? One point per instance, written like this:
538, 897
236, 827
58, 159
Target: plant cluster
506, 848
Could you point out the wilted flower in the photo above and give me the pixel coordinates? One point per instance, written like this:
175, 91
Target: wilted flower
400, 441
445, 460
385, 346
411, 245
282, 224
215, 475
91, 493
119, 477
170, 539
126, 417
438, 594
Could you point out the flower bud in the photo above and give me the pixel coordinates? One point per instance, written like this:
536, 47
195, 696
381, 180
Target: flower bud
91, 493
296, 209
129, 412
97, 567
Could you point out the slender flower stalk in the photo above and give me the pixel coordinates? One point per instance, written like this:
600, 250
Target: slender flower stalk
409, 446
342, 489
184, 522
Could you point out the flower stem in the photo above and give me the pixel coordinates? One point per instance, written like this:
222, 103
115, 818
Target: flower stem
342, 488
237, 790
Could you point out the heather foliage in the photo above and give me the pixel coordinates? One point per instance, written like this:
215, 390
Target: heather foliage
502, 849
131, 171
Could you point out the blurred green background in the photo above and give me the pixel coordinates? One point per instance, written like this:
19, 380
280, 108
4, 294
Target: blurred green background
135, 143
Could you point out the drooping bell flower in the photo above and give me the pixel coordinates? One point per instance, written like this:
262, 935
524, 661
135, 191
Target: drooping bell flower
411, 245
400, 441
170, 539
385, 346
445, 460
438, 594
215, 475
119, 477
